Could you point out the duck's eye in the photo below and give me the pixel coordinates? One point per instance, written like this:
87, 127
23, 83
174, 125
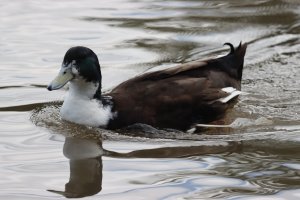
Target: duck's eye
64, 72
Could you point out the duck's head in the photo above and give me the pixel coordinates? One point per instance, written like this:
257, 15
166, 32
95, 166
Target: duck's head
80, 66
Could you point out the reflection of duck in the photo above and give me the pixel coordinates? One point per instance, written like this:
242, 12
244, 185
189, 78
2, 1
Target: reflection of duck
86, 161
85, 168
178, 97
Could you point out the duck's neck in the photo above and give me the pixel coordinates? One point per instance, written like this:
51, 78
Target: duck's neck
85, 90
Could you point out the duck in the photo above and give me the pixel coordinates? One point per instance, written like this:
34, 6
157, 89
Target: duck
179, 97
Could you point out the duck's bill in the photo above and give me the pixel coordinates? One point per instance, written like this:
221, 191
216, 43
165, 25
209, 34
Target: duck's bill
64, 76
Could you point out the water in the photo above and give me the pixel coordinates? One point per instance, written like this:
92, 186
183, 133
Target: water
258, 158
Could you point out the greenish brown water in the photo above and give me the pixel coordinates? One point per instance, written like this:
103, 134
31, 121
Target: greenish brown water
257, 159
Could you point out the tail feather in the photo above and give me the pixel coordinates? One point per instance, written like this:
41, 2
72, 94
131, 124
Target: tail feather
233, 62
240, 53
232, 50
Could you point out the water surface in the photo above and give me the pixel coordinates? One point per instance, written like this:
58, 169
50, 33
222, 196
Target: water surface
43, 157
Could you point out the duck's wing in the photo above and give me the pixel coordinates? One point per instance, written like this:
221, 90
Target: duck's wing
174, 102
166, 73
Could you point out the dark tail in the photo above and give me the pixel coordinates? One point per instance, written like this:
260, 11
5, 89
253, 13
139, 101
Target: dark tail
240, 54
233, 62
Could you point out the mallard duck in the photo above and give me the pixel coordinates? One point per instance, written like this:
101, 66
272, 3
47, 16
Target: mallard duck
178, 97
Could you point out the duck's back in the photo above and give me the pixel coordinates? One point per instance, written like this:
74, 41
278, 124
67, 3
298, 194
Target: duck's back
181, 96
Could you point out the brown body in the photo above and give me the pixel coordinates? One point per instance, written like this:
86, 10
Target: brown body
181, 96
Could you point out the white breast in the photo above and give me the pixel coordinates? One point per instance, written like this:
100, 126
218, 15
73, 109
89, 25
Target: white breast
79, 107
86, 112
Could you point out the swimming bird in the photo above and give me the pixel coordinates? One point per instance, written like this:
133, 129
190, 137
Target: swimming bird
180, 97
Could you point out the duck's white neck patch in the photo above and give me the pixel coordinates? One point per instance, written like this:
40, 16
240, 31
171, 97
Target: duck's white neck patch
80, 107
80, 88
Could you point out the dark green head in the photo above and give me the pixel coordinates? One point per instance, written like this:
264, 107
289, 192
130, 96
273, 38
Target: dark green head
79, 63
85, 61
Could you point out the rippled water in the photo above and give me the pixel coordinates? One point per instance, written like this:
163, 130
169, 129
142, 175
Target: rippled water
43, 157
